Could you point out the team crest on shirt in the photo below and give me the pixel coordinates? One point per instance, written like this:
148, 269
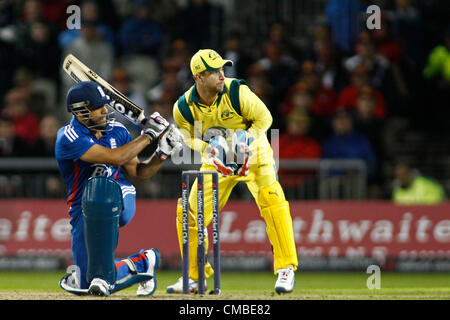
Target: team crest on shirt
227, 114
113, 143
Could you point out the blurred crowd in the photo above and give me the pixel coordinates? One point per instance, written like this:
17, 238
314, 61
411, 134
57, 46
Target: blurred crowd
330, 97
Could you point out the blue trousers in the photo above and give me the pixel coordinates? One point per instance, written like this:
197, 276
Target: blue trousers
79, 252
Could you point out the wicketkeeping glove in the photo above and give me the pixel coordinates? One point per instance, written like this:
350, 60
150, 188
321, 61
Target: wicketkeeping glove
217, 156
155, 125
170, 142
240, 142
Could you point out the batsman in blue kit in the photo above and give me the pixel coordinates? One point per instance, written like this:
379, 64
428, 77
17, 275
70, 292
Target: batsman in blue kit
98, 159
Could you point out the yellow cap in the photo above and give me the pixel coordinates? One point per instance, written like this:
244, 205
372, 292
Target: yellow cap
207, 59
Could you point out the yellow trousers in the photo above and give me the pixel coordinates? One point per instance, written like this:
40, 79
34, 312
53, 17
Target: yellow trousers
263, 185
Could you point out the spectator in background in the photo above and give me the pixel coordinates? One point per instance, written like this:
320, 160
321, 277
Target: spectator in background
40, 92
324, 97
48, 128
180, 54
200, 24
54, 11
31, 12
42, 52
93, 50
328, 65
348, 97
89, 12
278, 34
344, 20
348, 143
23, 81
365, 120
377, 66
296, 143
372, 128
386, 43
54, 187
8, 139
391, 47
326, 58
279, 69
300, 99
6, 13
165, 13
235, 52
168, 84
164, 105
25, 122
140, 34
438, 62
9, 62
322, 33
257, 80
410, 187
11, 186
16, 19
121, 81
437, 86
408, 26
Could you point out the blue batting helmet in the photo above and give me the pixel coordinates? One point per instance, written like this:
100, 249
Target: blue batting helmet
86, 94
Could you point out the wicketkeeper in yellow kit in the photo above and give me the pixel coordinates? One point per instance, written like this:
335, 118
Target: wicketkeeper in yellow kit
233, 120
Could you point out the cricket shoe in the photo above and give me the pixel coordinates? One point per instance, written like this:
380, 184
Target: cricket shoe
148, 287
99, 287
286, 280
70, 283
178, 286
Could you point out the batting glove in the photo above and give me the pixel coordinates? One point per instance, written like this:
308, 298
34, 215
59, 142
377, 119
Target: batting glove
155, 125
169, 142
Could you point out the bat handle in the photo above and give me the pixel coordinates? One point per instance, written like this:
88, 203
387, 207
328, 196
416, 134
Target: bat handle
144, 121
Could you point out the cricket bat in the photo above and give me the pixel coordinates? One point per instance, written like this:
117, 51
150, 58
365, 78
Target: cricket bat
78, 71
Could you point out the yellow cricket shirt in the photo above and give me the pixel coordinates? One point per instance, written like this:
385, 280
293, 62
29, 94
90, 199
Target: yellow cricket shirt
236, 107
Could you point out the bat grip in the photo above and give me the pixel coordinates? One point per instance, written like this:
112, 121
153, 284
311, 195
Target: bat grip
144, 121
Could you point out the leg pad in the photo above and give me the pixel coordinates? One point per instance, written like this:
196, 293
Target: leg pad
276, 213
102, 206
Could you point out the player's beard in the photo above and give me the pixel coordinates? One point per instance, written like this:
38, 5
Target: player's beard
215, 89
97, 125
219, 87
101, 123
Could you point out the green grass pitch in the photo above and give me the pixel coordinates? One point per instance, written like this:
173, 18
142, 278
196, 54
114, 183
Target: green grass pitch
252, 285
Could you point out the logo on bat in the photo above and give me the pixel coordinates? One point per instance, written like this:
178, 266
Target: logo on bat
74, 76
93, 74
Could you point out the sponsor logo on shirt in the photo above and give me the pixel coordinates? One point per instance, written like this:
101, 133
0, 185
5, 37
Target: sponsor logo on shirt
101, 170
